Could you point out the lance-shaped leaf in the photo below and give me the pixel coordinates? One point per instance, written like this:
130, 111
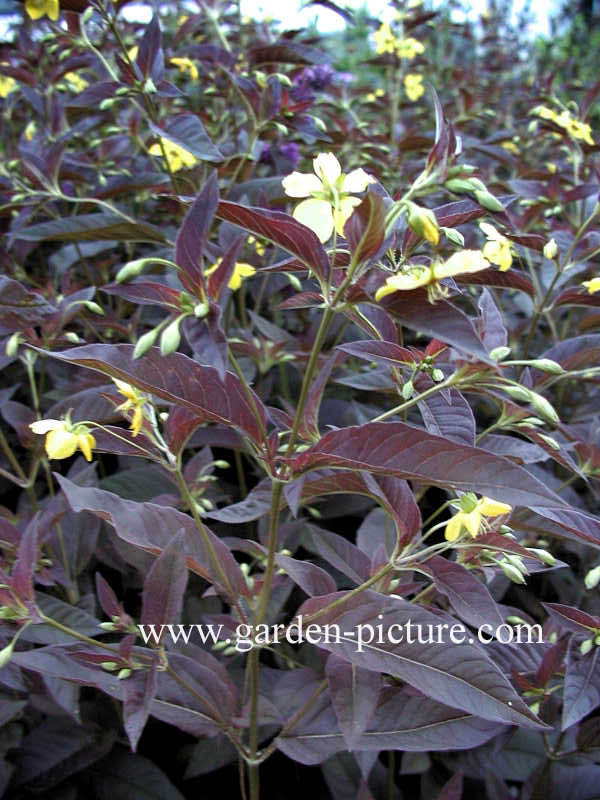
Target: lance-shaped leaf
310, 578
469, 597
582, 685
139, 691
458, 674
146, 293
187, 131
178, 379
354, 693
281, 229
572, 619
386, 353
404, 451
365, 228
153, 527
192, 236
20, 308
449, 414
165, 583
150, 55
92, 228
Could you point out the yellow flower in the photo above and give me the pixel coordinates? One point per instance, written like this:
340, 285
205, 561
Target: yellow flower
592, 286
510, 146
30, 129
471, 514
240, 271
76, 82
461, 263
579, 130
573, 126
259, 246
498, 249
409, 48
7, 85
372, 96
132, 53
413, 85
545, 113
177, 157
186, 65
135, 400
63, 438
385, 41
330, 202
42, 8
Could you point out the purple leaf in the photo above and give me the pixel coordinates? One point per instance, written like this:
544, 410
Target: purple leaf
365, 228
469, 597
164, 586
458, 674
582, 685
192, 237
138, 692
354, 693
310, 578
453, 419
19, 307
150, 55
187, 131
152, 528
281, 229
175, 378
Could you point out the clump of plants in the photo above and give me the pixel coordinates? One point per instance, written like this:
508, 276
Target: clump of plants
300, 442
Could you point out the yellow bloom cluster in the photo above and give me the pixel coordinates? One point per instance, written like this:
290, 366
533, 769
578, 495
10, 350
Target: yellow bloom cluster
186, 65
177, 157
387, 42
372, 96
573, 126
76, 82
330, 202
471, 515
42, 8
240, 271
419, 276
135, 401
413, 85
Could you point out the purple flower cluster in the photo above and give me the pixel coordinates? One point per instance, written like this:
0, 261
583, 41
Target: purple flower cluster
310, 80
284, 157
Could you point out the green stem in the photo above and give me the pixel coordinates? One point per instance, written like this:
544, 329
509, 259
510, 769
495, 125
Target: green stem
453, 379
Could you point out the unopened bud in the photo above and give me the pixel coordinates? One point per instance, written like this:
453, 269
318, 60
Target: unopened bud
201, 310
108, 626
71, 336
124, 673
543, 555
12, 344
460, 185
549, 441
544, 408
586, 646
437, 375
293, 279
514, 620
512, 573
550, 250
144, 343
547, 365
592, 579
423, 222
220, 464
487, 200
453, 236
109, 666
6, 654
519, 393
93, 307
131, 270
407, 390
499, 353
170, 338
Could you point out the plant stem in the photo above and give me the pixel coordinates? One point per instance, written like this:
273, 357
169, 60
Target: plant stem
455, 378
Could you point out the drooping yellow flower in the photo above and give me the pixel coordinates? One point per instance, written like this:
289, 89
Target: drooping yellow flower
136, 401
413, 85
498, 249
186, 65
371, 97
471, 515
418, 276
63, 437
592, 286
42, 8
177, 157
330, 194
409, 48
575, 128
240, 272
76, 82
7, 85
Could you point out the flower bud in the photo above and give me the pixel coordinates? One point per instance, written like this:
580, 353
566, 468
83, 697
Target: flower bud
547, 365
124, 673
407, 390
549, 441
71, 336
294, 280
144, 343
514, 620
201, 310
512, 573
109, 666
499, 353
12, 344
544, 408
460, 185
423, 222
453, 236
170, 338
108, 626
586, 646
131, 270
220, 464
437, 375
592, 579
93, 307
487, 200
6, 653
550, 250
518, 393
543, 555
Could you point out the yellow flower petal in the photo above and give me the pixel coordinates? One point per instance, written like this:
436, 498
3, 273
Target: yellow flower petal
61, 443
405, 281
46, 425
465, 261
317, 215
344, 212
86, 444
472, 521
240, 271
137, 420
453, 528
357, 181
327, 167
592, 286
301, 184
40, 8
493, 508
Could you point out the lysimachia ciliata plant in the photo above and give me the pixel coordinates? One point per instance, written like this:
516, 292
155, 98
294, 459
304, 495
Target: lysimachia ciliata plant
272, 354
